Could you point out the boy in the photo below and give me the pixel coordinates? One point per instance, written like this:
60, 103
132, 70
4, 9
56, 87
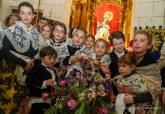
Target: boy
41, 80
130, 78
117, 41
142, 43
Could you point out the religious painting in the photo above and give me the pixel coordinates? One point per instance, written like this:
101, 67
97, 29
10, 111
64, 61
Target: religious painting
107, 16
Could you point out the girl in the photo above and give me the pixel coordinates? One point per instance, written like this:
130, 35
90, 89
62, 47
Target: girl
77, 52
41, 22
89, 42
101, 47
46, 35
11, 19
59, 34
20, 45
40, 81
102, 58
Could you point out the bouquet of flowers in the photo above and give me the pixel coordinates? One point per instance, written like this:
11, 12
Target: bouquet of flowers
82, 94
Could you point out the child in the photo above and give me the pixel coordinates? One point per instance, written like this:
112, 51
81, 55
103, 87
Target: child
77, 52
102, 58
162, 65
129, 78
41, 22
20, 45
142, 43
11, 19
59, 34
90, 42
117, 41
40, 81
46, 35
24, 34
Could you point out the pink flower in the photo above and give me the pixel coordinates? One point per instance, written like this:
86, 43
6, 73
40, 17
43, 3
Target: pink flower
102, 110
62, 83
72, 104
45, 96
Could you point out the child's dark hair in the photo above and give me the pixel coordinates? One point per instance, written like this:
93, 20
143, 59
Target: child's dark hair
149, 37
91, 36
127, 59
81, 29
70, 33
48, 51
27, 4
102, 40
116, 35
60, 24
43, 18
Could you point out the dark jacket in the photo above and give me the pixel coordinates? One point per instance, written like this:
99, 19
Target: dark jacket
35, 79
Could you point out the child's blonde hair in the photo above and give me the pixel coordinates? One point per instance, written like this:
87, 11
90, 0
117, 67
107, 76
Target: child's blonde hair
149, 37
102, 40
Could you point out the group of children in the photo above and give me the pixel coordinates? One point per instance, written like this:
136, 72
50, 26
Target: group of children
46, 56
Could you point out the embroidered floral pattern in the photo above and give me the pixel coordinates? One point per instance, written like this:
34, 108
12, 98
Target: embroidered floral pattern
22, 39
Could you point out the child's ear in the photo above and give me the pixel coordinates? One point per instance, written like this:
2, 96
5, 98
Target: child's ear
133, 67
149, 46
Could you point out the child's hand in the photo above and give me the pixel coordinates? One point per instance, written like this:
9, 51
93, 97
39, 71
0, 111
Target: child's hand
62, 71
29, 65
84, 57
50, 82
105, 68
76, 58
120, 88
128, 99
96, 62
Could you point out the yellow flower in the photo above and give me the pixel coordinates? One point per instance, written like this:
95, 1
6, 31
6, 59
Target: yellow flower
10, 92
91, 95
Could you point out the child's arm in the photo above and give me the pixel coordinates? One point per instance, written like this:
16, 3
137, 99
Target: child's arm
140, 98
78, 58
105, 69
50, 82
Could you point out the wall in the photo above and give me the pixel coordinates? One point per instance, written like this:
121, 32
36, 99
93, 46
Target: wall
54, 9
149, 13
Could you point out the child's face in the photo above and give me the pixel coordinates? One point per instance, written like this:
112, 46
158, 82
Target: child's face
59, 33
125, 69
46, 32
118, 45
140, 43
49, 61
12, 20
100, 48
42, 23
89, 42
26, 15
78, 37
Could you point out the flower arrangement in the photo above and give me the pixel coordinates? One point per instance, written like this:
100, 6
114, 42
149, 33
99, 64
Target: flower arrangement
82, 94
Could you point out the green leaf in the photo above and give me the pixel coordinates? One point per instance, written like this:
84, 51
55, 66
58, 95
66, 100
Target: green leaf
81, 108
